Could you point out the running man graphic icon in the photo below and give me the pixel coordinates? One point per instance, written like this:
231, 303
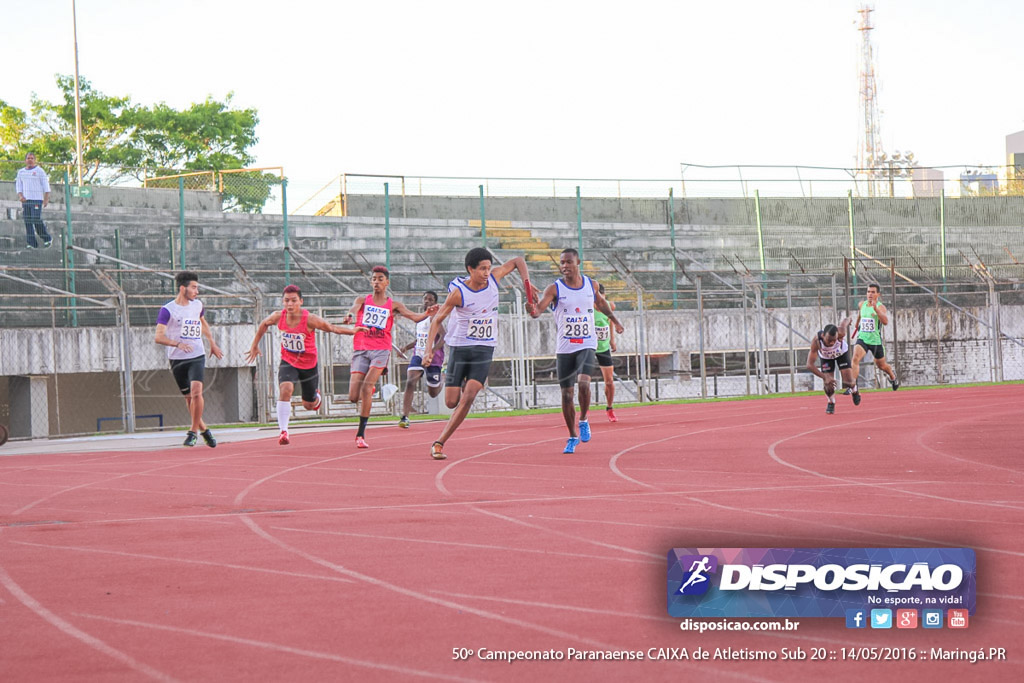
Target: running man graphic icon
697, 582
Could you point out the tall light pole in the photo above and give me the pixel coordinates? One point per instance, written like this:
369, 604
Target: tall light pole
78, 106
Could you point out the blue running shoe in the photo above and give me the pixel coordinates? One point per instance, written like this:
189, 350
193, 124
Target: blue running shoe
584, 431
571, 444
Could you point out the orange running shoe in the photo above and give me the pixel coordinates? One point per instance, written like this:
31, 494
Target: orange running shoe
611, 415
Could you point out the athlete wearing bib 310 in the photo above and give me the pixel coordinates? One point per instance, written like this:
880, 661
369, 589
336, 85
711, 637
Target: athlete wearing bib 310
180, 326
298, 354
829, 347
574, 299
871, 318
372, 346
472, 302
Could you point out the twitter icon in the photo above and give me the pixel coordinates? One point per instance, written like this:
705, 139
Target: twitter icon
881, 618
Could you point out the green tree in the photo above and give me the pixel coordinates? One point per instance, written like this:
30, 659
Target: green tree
121, 139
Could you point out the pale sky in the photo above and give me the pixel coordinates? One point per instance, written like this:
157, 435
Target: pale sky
546, 89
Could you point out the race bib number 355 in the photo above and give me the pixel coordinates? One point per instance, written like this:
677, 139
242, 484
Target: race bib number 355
191, 329
375, 316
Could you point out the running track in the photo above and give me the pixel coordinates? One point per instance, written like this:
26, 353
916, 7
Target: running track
320, 562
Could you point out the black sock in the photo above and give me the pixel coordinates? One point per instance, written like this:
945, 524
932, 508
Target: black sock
362, 425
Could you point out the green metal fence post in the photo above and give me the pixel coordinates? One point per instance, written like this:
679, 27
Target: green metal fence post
579, 222
69, 238
483, 219
672, 236
117, 254
387, 228
287, 237
942, 231
760, 234
181, 221
170, 245
853, 240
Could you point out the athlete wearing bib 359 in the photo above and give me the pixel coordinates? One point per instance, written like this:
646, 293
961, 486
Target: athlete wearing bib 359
298, 354
472, 302
829, 348
574, 300
871, 318
180, 326
376, 315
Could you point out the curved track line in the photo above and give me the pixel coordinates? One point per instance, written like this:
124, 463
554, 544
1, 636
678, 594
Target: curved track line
276, 647
380, 583
70, 630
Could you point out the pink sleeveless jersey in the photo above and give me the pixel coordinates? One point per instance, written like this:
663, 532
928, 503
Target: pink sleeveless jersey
380, 321
298, 344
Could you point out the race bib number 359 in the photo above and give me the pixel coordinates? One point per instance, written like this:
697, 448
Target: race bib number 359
191, 329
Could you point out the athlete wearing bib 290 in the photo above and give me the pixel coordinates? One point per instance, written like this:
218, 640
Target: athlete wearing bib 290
180, 326
830, 349
372, 345
574, 300
472, 302
871, 318
298, 354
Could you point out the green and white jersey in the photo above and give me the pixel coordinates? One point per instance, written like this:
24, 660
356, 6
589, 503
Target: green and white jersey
870, 327
604, 332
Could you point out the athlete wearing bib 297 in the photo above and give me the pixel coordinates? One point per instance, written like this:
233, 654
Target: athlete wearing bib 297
872, 317
575, 299
472, 302
298, 354
372, 345
180, 326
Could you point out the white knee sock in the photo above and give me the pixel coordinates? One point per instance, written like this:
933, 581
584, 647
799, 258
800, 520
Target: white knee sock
284, 411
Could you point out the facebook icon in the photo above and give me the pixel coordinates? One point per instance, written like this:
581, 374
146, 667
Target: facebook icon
856, 618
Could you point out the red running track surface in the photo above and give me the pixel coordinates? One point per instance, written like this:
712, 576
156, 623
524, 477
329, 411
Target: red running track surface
317, 561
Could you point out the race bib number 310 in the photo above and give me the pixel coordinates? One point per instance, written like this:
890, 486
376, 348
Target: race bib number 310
296, 343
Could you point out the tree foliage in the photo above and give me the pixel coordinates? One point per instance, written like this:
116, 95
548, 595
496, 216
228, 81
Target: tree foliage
123, 139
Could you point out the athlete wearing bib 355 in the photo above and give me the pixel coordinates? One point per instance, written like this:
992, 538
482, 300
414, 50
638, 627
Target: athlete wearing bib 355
180, 326
574, 300
830, 349
472, 334
298, 354
372, 345
871, 318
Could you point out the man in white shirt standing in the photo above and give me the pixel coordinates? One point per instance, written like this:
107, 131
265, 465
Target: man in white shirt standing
34, 194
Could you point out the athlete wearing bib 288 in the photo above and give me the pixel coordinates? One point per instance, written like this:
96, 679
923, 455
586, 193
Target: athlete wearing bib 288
472, 302
829, 348
298, 354
372, 347
871, 317
180, 326
574, 299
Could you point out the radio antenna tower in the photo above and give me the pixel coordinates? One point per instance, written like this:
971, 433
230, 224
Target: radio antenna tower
870, 154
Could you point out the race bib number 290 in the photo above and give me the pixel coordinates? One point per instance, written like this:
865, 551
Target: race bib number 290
191, 329
480, 329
